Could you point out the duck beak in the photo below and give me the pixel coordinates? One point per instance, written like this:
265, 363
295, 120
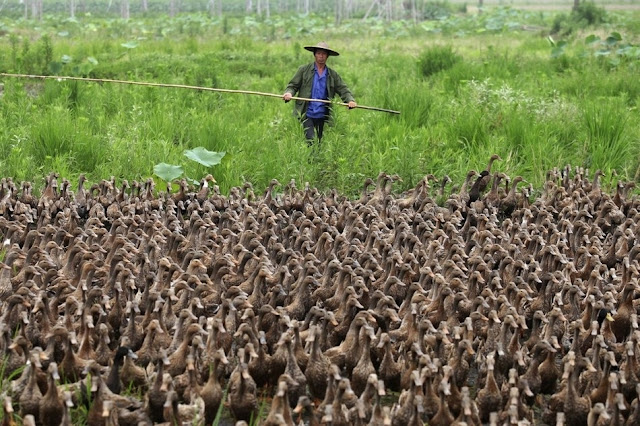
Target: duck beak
528, 392
245, 374
164, 386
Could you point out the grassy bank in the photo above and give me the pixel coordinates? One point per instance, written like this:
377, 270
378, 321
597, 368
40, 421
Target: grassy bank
538, 89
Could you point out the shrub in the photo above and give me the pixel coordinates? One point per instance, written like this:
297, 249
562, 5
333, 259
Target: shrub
585, 15
436, 59
562, 24
588, 13
436, 10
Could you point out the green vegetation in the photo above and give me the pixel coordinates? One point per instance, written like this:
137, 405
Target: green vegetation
468, 85
586, 14
436, 59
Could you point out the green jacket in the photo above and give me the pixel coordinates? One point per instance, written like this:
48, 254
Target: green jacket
302, 81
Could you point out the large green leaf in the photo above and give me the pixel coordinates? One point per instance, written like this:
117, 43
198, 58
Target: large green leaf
168, 172
614, 38
592, 39
205, 157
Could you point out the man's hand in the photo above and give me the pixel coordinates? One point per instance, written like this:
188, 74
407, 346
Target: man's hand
287, 97
352, 104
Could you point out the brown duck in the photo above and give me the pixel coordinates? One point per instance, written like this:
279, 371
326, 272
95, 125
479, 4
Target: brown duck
211, 392
52, 406
243, 401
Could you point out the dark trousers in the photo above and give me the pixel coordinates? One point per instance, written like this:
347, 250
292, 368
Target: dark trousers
313, 127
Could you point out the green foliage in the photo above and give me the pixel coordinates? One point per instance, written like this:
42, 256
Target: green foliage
200, 155
612, 51
29, 58
606, 124
587, 14
436, 10
435, 59
515, 93
14, 41
53, 136
44, 54
561, 24
167, 172
609, 53
205, 157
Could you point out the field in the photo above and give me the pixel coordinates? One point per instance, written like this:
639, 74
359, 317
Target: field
541, 89
550, 5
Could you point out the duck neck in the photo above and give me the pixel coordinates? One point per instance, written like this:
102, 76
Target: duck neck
365, 349
491, 385
572, 394
213, 372
502, 340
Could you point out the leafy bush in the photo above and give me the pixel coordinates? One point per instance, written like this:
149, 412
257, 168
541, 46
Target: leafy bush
585, 15
436, 59
436, 10
589, 14
561, 25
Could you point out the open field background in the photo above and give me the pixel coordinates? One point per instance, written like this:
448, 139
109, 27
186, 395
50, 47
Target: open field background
540, 88
550, 5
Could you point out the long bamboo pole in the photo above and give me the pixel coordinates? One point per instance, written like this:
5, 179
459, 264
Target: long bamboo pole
184, 86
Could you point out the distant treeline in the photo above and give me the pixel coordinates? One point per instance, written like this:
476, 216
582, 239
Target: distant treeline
340, 9
16, 9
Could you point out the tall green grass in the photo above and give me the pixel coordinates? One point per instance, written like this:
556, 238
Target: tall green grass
606, 142
492, 88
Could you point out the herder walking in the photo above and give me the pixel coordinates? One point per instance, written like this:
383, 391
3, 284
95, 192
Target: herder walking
317, 81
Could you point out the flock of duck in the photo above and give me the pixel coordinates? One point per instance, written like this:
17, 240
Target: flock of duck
485, 303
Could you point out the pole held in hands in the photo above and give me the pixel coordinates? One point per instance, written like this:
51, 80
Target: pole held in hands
184, 86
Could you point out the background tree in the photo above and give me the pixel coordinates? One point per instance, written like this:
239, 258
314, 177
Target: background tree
215, 7
303, 6
124, 9
36, 9
262, 6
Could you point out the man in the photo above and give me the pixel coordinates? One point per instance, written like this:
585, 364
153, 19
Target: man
317, 81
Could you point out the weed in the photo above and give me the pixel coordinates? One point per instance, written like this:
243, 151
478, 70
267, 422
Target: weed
589, 13
605, 142
436, 59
